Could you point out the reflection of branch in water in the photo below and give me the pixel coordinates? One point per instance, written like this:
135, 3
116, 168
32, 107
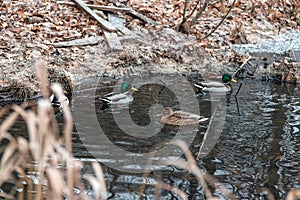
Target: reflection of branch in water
156, 97
206, 133
237, 105
236, 101
164, 86
237, 92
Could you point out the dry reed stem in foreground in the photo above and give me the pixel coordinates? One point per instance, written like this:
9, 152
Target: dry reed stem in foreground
168, 187
202, 178
100, 178
42, 75
293, 194
48, 152
49, 159
189, 165
157, 184
57, 89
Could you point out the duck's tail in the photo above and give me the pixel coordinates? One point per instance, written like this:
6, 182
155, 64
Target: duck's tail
106, 103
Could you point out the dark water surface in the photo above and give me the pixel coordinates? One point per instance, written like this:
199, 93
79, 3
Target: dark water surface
257, 152
259, 149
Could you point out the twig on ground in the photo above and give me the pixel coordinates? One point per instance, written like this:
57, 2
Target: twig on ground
98, 7
143, 17
194, 9
78, 42
116, 9
184, 11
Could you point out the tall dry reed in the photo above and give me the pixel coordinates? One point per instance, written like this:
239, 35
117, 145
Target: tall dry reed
44, 161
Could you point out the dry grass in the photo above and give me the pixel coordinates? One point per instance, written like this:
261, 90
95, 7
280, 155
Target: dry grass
45, 155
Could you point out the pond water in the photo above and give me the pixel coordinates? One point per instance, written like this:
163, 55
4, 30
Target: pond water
259, 149
256, 153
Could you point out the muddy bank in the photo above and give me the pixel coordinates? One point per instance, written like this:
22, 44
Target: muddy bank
163, 51
159, 51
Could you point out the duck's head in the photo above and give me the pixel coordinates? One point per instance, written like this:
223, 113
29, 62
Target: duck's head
226, 78
125, 87
168, 111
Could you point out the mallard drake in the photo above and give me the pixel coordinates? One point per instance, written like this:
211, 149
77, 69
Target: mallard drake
180, 117
55, 102
215, 86
59, 102
124, 97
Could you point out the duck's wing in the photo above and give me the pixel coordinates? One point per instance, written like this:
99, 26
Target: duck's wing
106, 97
188, 116
207, 86
223, 89
182, 118
212, 84
199, 86
59, 102
109, 94
115, 98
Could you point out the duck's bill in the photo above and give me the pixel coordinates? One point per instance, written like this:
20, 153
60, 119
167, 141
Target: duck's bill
134, 89
233, 80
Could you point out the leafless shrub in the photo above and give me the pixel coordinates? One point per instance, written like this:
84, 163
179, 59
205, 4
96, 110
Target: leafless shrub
189, 20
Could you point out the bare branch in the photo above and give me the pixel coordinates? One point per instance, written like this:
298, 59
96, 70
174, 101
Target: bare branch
220, 21
199, 13
194, 9
184, 11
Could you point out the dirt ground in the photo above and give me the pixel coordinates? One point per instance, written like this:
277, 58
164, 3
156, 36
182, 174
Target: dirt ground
30, 29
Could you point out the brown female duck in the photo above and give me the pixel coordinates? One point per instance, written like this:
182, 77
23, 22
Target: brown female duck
180, 117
